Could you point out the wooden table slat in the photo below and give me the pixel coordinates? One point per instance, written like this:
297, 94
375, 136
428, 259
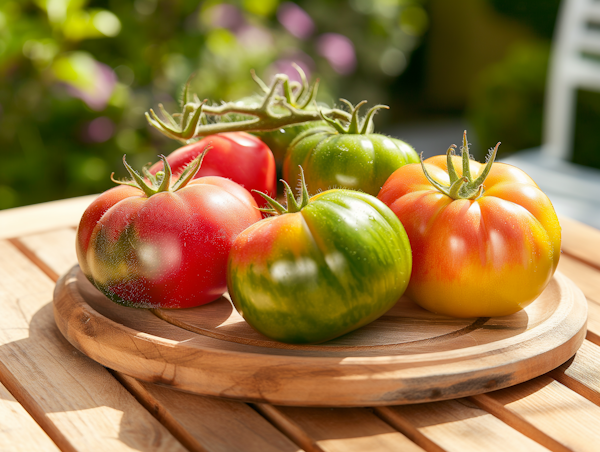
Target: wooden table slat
339, 429
582, 373
559, 413
44, 217
456, 425
198, 422
58, 385
549, 412
211, 424
581, 241
54, 249
593, 323
587, 278
19, 432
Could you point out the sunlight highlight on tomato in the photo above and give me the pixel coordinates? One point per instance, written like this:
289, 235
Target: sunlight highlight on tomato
163, 245
488, 246
320, 269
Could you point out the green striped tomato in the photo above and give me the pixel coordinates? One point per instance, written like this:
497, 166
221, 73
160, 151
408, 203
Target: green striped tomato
335, 265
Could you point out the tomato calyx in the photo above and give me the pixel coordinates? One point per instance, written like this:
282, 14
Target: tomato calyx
293, 204
462, 187
355, 126
161, 181
281, 104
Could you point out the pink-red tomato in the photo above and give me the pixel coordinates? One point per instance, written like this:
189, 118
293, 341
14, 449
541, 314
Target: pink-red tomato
168, 249
238, 156
482, 257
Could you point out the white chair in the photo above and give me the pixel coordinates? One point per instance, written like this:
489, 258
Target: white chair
573, 189
570, 69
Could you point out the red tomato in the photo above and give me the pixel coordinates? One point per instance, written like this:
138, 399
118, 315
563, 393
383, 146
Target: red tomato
487, 254
163, 249
238, 156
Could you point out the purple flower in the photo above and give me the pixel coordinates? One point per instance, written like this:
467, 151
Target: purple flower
339, 51
295, 20
226, 16
95, 87
100, 129
254, 38
284, 66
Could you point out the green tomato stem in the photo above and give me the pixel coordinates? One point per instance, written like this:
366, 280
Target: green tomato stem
451, 170
293, 205
462, 187
355, 126
367, 125
189, 171
161, 181
465, 157
193, 121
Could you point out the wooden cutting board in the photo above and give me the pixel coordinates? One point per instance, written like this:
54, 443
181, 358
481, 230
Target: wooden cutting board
409, 355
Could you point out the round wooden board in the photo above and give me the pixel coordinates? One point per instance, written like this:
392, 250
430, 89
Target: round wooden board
407, 356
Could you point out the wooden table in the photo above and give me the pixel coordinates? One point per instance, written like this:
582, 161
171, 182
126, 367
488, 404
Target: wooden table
53, 397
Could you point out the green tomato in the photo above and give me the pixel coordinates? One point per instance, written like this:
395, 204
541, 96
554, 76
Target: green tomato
356, 161
279, 140
335, 265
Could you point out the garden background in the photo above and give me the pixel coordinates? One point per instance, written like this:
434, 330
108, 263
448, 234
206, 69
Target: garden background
77, 76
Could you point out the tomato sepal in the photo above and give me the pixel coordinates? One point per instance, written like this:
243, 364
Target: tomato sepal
462, 187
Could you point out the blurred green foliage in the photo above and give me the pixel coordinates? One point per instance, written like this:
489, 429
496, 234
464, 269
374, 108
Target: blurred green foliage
586, 147
507, 99
76, 76
540, 15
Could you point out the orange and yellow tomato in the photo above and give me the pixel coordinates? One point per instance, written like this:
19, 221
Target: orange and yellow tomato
488, 256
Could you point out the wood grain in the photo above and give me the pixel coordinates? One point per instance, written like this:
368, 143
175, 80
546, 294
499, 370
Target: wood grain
27, 220
76, 401
581, 241
566, 420
199, 423
18, 431
53, 249
132, 342
337, 429
594, 322
582, 373
209, 424
587, 279
456, 425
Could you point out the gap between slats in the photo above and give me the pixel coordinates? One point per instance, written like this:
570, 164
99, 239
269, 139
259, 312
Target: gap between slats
34, 259
13, 385
23, 397
515, 421
288, 427
150, 404
582, 260
159, 412
404, 426
593, 337
576, 386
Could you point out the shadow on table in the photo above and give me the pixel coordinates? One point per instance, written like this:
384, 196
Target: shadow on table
48, 376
